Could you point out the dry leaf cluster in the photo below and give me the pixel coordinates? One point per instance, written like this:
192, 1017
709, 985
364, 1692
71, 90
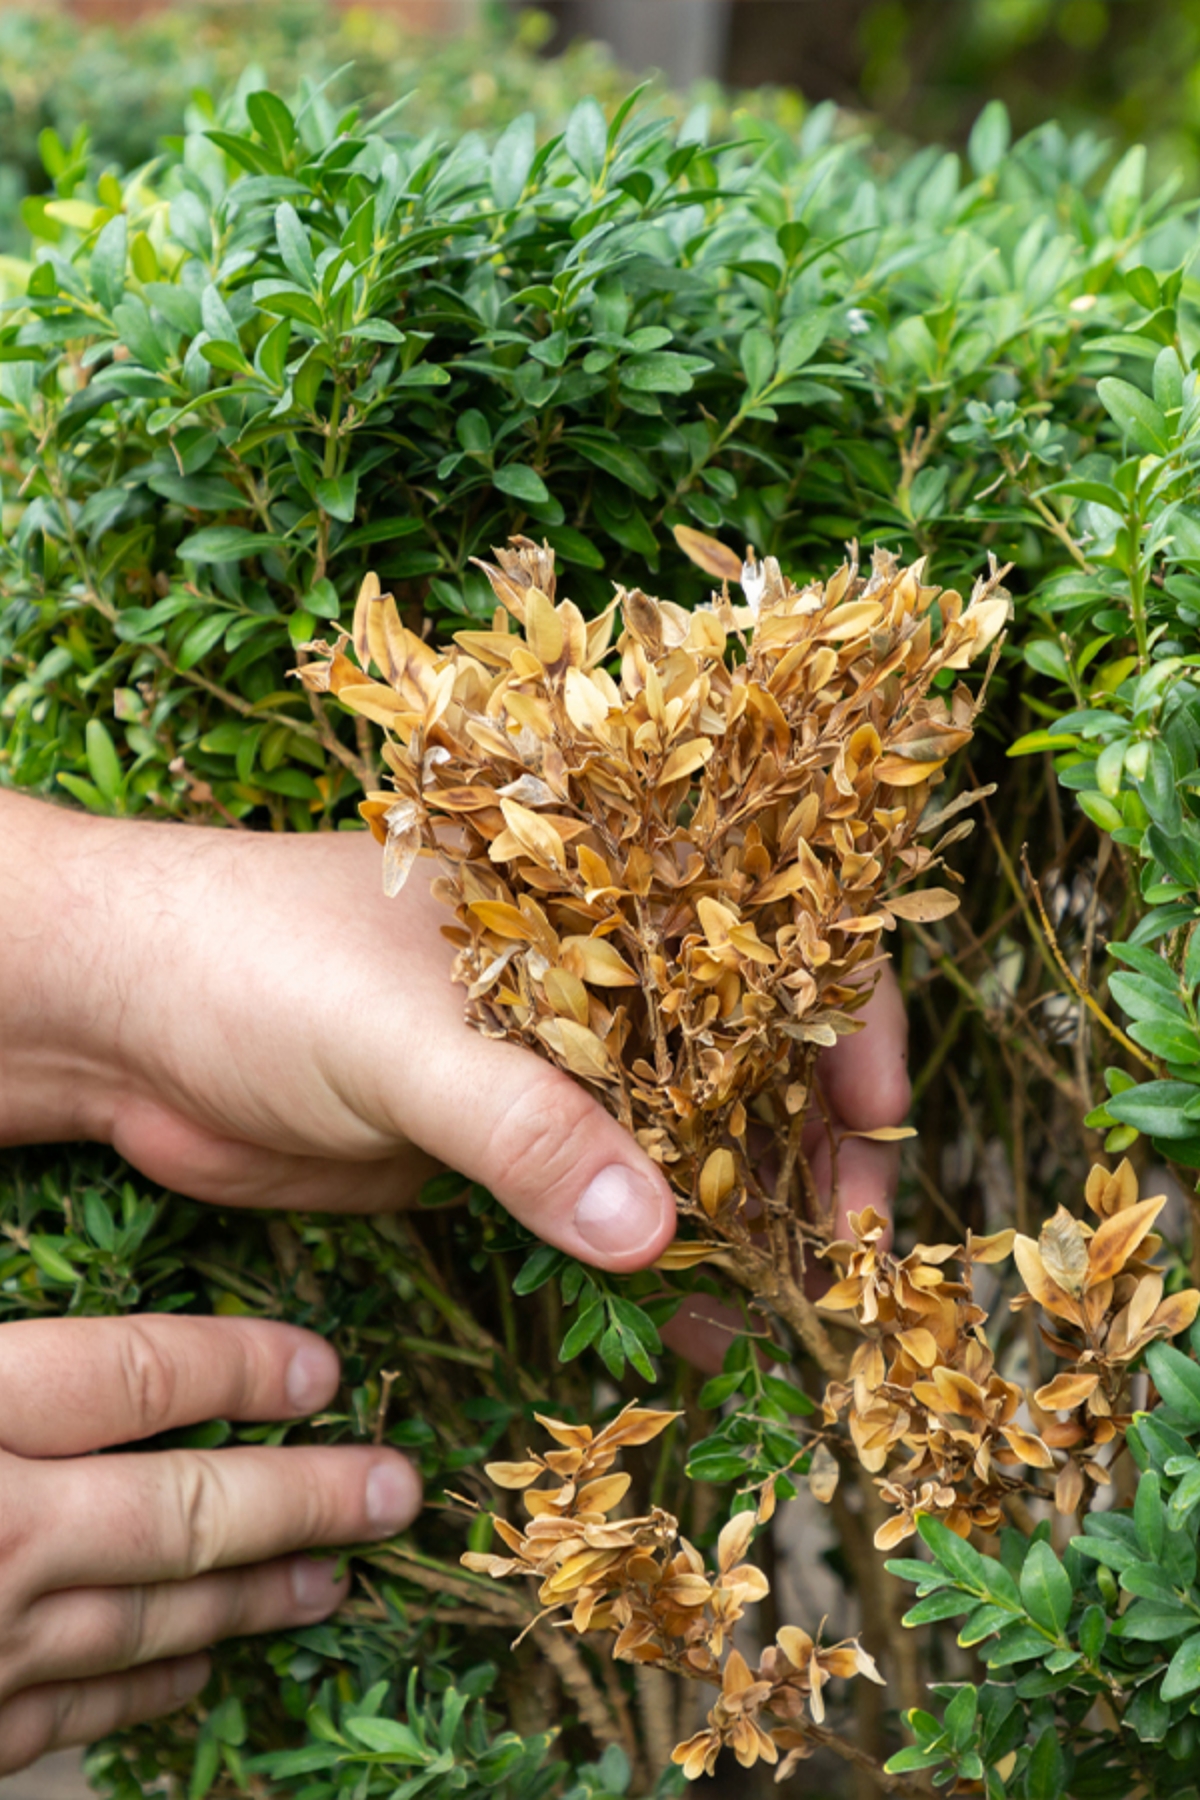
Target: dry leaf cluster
639, 1580
672, 842
1102, 1304
925, 1384
672, 877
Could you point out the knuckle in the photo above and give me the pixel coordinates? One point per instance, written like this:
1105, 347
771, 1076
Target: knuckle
27, 1731
18, 1526
325, 1512
67, 1723
535, 1147
112, 1635
150, 1379
202, 1512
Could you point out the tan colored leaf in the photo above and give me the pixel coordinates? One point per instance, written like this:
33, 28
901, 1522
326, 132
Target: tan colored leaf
598, 961
787, 881
746, 941
1029, 1448
513, 1475
882, 1134
707, 636
893, 1531
686, 1591
1045, 1291
577, 1048
685, 760
566, 994
637, 1425
842, 1296
708, 554
921, 1346
851, 619
482, 1562
543, 627
1063, 1249
572, 1437
505, 920
1147, 1297
1068, 1489
991, 1249
586, 706
602, 1495
382, 705
1117, 1239
594, 870
1175, 1314
716, 921
686, 1256
896, 771
718, 1179
924, 907
824, 1472
1068, 1390
367, 594
403, 842
536, 836
957, 1393
734, 1540
796, 1645
737, 1677
867, 922
934, 820
488, 646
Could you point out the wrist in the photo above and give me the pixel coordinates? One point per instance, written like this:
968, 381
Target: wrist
56, 1079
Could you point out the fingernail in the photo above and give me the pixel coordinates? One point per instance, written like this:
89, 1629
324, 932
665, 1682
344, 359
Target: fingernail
311, 1378
189, 1675
315, 1584
391, 1496
621, 1211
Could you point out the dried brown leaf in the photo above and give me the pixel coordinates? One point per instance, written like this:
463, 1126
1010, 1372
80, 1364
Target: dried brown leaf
708, 554
1117, 1239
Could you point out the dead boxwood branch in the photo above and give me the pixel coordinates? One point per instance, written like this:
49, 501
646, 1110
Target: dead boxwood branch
673, 879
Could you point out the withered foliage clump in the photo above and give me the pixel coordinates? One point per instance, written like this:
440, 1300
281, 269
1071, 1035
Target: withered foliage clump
641, 1581
672, 850
925, 1381
673, 880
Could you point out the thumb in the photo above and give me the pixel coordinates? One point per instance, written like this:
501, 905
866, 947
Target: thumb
547, 1150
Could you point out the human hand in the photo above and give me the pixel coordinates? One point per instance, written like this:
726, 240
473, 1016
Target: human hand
248, 1020
116, 1572
865, 1082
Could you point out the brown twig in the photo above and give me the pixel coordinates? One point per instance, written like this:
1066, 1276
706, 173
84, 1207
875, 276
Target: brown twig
1081, 993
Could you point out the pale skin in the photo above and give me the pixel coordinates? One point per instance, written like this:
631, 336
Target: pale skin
249, 1021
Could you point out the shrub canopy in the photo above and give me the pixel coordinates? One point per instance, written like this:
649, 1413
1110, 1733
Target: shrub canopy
303, 343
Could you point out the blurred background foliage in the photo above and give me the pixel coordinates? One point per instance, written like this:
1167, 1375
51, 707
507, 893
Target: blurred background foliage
922, 68
925, 66
130, 83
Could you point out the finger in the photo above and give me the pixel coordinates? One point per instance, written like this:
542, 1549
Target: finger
62, 1714
190, 1159
865, 1076
492, 1110
554, 1158
130, 1520
536, 1139
99, 1631
702, 1331
74, 1385
867, 1176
